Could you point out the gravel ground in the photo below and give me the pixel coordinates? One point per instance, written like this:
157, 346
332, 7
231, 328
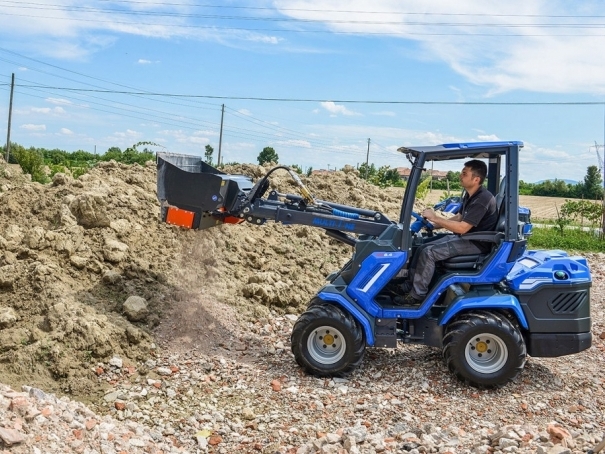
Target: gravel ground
249, 396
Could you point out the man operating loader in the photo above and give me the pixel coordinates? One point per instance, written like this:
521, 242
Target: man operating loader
479, 213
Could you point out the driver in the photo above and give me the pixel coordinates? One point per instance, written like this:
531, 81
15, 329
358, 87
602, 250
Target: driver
478, 213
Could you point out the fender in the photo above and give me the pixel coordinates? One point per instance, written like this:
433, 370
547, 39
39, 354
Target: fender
351, 309
485, 302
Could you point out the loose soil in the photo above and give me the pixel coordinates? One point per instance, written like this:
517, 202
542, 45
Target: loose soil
76, 253
73, 252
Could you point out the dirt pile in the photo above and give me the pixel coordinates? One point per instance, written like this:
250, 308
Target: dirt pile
87, 271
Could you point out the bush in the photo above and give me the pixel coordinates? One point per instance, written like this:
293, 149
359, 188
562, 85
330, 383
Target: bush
31, 161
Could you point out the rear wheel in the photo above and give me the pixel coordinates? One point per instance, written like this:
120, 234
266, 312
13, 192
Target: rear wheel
327, 341
484, 349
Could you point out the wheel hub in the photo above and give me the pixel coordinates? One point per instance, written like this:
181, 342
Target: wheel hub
328, 339
481, 347
486, 353
326, 345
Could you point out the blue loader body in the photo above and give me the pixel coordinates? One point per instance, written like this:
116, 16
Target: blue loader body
487, 312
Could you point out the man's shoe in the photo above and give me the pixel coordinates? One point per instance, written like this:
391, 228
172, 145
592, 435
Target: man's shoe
407, 300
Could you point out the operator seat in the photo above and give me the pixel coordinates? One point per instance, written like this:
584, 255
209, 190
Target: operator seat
475, 261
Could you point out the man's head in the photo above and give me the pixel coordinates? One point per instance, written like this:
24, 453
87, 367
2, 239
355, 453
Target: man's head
473, 169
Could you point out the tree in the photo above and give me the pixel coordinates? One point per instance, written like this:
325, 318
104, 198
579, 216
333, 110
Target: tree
114, 153
31, 161
592, 187
367, 172
385, 176
208, 154
267, 155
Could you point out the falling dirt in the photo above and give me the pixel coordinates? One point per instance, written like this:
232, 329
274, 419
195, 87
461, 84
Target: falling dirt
88, 272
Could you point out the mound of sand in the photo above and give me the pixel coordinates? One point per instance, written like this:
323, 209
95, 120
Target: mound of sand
88, 272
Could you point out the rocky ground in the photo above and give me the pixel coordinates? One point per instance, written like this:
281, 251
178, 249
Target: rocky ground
121, 334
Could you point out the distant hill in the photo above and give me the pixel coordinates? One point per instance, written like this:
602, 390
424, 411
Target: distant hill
572, 182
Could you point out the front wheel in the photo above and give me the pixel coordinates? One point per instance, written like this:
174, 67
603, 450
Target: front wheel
484, 349
327, 342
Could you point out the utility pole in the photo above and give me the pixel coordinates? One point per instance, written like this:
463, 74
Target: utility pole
220, 137
602, 167
368, 161
10, 114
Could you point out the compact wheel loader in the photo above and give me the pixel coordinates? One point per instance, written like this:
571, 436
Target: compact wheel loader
486, 312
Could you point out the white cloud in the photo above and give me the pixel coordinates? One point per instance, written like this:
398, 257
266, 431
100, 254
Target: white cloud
58, 101
198, 138
63, 31
66, 132
264, 39
488, 138
47, 110
32, 127
294, 143
336, 109
144, 62
503, 46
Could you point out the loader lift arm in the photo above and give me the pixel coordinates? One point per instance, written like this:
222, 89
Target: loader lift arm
196, 195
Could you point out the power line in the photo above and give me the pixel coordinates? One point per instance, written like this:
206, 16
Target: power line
77, 8
348, 32
342, 101
81, 9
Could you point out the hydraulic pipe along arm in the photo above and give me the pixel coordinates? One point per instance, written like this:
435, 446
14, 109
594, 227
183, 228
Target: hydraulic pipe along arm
195, 195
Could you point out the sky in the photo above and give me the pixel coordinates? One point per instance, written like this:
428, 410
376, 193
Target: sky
324, 83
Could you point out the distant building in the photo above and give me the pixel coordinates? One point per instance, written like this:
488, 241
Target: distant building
438, 175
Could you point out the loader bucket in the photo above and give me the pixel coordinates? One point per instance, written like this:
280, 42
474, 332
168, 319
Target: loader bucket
196, 195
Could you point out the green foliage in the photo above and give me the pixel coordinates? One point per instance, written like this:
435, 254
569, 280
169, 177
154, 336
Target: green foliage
562, 220
132, 155
423, 188
450, 183
31, 161
309, 171
573, 240
385, 176
550, 188
592, 187
367, 172
580, 210
114, 153
15, 148
208, 154
267, 155
298, 169
445, 195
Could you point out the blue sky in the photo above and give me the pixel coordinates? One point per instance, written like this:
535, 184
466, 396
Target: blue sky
95, 74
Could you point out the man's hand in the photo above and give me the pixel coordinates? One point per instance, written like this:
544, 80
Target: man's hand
429, 213
454, 224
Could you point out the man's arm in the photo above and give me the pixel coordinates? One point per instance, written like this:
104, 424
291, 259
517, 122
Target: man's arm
454, 224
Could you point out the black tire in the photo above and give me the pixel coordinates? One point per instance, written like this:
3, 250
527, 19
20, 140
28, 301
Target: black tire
484, 349
337, 356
